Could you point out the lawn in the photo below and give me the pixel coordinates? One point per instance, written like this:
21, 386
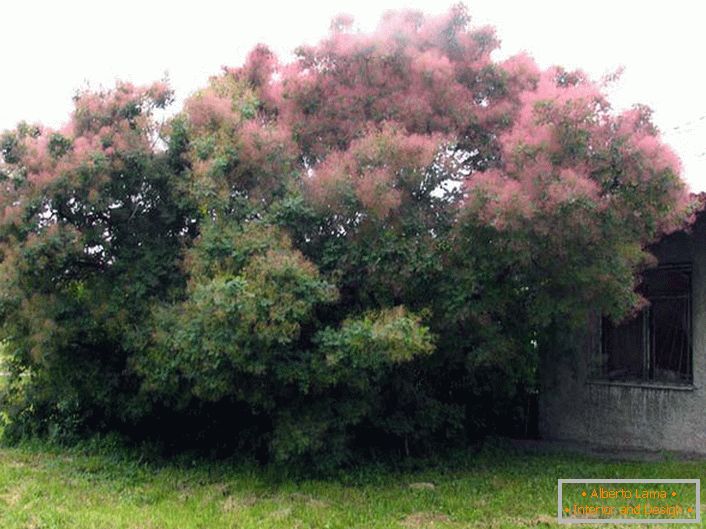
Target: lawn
42, 487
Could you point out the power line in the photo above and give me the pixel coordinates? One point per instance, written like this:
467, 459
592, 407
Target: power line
701, 120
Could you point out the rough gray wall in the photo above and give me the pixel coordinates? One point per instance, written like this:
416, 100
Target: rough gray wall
611, 414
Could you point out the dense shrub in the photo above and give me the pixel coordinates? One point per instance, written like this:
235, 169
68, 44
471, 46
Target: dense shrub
363, 249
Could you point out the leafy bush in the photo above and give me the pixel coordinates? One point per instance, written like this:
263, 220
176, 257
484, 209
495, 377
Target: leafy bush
363, 250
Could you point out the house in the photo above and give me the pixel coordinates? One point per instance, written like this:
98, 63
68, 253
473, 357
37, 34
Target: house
640, 384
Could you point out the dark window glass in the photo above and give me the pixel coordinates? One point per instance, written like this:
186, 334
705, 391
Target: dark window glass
656, 344
625, 348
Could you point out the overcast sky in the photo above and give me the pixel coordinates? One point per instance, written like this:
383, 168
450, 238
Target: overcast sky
49, 49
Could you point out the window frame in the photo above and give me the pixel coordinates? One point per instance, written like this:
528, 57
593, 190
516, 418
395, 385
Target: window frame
647, 379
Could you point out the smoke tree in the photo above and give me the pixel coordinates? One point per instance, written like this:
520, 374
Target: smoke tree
362, 249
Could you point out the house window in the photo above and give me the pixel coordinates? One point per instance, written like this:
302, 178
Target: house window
654, 346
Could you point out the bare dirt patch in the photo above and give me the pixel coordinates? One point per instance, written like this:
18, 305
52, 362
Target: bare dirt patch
424, 520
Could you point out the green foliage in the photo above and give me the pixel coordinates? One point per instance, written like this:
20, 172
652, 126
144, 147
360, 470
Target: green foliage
249, 297
246, 331
387, 337
93, 242
362, 251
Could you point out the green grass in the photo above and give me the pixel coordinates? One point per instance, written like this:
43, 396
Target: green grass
44, 487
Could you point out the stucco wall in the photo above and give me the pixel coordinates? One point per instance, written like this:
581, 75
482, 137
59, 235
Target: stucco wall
575, 407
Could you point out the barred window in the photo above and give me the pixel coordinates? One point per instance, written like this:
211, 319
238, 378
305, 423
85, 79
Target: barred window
654, 346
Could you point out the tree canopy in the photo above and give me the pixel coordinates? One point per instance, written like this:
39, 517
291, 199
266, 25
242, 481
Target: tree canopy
362, 249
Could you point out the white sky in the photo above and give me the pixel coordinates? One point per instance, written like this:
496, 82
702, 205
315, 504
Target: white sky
49, 49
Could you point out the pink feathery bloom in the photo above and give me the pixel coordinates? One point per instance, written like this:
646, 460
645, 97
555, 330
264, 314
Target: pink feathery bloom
207, 109
375, 192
